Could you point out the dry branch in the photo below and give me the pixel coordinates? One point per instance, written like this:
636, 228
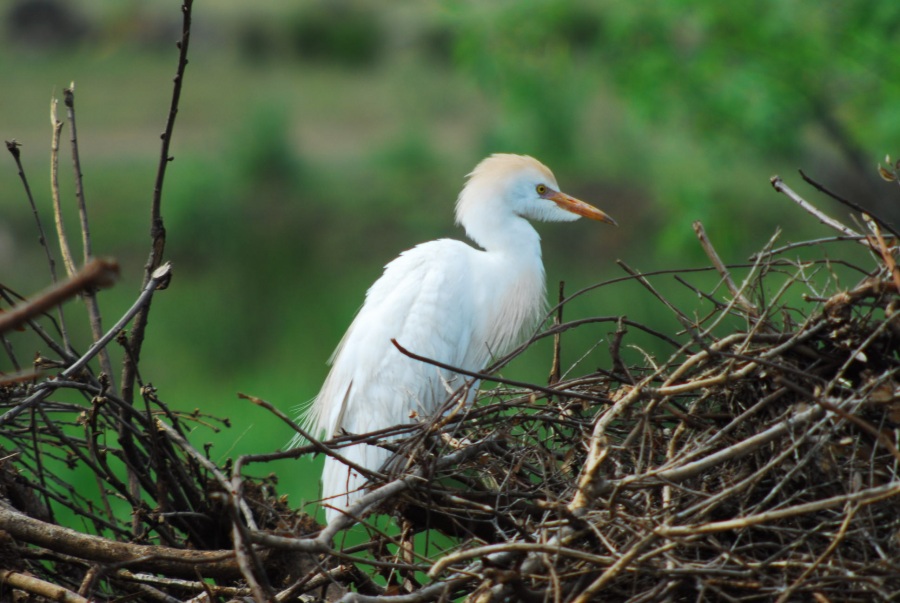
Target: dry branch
98, 273
148, 558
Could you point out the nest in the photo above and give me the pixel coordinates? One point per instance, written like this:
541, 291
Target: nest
757, 461
754, 464
754, 459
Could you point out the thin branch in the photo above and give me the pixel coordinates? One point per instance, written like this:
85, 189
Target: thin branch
161, 276
97, 273
157, 227
65, 249
851, 204
89, 295
863, 497
555, 369
13, 147
711, 253
183, 563
779, 185
316, 444
487, 377
69, 101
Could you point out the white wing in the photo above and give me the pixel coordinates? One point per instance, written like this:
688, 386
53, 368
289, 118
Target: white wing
425, 300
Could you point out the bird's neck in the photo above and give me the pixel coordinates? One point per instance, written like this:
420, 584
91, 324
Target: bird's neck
510, 279
514, 237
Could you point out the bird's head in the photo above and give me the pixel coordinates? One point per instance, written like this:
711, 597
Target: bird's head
518, 185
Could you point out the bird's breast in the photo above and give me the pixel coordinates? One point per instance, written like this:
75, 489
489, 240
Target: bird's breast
513, 302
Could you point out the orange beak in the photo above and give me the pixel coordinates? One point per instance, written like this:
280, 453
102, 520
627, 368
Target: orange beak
580, 207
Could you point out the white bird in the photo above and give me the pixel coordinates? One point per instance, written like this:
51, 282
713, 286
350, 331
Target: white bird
444, 300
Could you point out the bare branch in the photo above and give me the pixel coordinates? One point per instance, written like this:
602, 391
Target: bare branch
97, 273
157, 227
161, 276
183, 563
781, 187
38, 587
65, 249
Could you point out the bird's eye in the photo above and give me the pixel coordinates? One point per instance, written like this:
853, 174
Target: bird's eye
541, 189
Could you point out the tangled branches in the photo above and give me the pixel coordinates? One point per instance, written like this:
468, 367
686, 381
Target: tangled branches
758, 463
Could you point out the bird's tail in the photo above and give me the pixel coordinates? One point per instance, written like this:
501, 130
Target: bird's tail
342, 485
308, 420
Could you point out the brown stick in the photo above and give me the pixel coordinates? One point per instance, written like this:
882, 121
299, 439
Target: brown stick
89, 295
39, 587
555, 370
96, 273
64, 247
157, 228
183, 563
779, 185
723, 271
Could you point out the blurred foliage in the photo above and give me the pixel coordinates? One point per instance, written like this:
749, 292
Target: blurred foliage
521, 54
343, 31
770, 80
753, 74
316, 140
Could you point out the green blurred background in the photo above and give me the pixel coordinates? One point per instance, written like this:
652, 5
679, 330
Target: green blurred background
317, 139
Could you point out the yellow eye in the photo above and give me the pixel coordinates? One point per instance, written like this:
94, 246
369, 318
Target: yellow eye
541, 189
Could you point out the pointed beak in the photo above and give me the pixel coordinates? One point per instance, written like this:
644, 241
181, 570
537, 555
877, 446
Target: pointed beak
580, 207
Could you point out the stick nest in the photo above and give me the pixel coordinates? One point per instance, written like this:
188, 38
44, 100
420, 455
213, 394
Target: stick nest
754, 458
757, 464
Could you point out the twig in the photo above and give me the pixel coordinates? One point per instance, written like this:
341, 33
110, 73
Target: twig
207, 464
440, 591
13, 147
615, 569
850, 513
742, 448
487, 377
516, 547
39, 587
711, 253
95, 274
89, 295
689, 325
161, 275
157, 236
157, 227
799, 244
317, 444
876, 240
851, 204
555, 369
863, 497
65, 249
181, 584
779, 185
165, 560
69, 101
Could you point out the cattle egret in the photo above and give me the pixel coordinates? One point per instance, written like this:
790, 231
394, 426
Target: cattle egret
444, 300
